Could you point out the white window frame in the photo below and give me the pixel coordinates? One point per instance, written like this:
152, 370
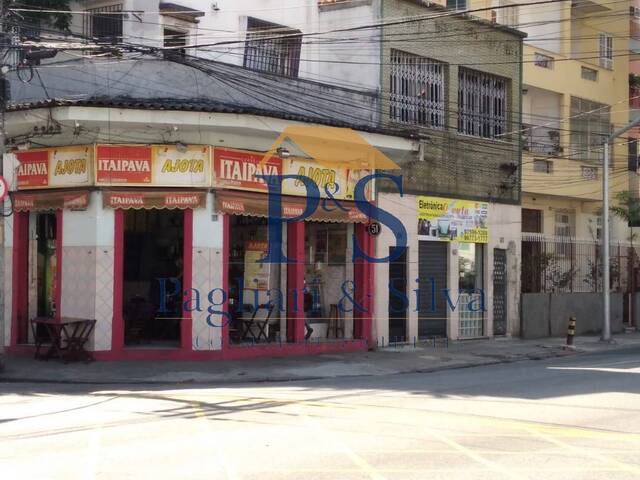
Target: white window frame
606, 50
586, 71
458, 5
563, 230
417, 90
508, 14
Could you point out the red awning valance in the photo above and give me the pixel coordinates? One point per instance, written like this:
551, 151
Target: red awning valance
44, 201
159, 199
257, 205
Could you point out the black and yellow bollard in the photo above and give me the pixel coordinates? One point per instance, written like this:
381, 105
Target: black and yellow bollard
571, 331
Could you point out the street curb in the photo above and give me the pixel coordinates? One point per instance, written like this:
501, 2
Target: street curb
554, 352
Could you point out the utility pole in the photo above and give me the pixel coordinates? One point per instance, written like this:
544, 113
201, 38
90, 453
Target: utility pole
606, 294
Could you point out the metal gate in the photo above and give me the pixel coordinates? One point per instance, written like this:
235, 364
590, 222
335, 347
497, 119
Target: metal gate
398, 295
432, 273
499, 291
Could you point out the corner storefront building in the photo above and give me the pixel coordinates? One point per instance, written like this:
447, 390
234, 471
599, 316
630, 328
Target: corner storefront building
160, 245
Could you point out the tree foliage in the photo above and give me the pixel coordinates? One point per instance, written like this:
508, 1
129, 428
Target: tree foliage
58, 19
628, 208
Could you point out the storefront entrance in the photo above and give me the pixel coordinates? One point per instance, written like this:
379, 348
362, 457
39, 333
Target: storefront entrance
46, 264
327, 280
256, 293
153, 277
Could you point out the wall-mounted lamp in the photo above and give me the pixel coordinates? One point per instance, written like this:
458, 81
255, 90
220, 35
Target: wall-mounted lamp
181, 147
283, 152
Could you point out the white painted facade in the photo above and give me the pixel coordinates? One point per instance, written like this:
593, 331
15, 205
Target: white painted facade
504, 232
222, 31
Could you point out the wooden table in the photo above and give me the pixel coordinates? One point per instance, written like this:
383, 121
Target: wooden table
66, 338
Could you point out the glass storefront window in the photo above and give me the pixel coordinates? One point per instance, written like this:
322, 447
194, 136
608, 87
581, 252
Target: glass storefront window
257, 297
327, 271
471, 294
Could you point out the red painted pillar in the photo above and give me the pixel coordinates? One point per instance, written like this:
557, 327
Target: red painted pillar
363, 280
20, 279
58, 290
117, 326
226, 245
186, 342
295, 282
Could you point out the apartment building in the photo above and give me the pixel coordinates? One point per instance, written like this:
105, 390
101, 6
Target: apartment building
575, 90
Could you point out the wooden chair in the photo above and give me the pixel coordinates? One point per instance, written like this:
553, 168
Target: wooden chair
260, 321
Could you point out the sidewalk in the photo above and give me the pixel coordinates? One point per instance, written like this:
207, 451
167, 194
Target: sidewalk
390, 360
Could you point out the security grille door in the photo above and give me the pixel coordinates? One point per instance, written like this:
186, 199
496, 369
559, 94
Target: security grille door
432, 304
398, 300
499, 291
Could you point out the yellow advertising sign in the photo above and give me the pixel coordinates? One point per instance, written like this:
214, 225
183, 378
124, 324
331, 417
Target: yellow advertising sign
449, 220
57, 167
332, 181
185, 168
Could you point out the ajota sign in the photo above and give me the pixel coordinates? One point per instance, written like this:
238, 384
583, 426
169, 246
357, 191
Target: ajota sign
153, 165
55, 167
245, 170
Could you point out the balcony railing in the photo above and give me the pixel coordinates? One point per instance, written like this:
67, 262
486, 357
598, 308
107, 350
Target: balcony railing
541, 140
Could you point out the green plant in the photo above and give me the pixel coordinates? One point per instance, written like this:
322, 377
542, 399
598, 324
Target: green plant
53, 13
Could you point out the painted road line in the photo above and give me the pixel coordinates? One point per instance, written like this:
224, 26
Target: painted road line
620, 466
360, 462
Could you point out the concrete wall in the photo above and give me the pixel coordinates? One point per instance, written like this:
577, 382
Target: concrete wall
547, 315
455, 164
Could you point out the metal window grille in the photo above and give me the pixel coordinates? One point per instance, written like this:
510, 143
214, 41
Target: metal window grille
563, 230
272, 48
482, 104
606, 51
589, 74
590, 125
417, 90
174, 38
104, 24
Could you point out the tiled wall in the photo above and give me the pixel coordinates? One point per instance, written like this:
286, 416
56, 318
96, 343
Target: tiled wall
8, 269
207, 275
103, 298
87, 289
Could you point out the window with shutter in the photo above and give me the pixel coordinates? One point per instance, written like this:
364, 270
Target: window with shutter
606, 51
416, 90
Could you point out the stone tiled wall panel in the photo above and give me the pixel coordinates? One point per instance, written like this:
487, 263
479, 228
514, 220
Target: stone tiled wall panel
78, 282
207, 275
7, 294
103, 312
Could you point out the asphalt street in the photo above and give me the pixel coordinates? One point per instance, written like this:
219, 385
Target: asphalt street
566, 418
